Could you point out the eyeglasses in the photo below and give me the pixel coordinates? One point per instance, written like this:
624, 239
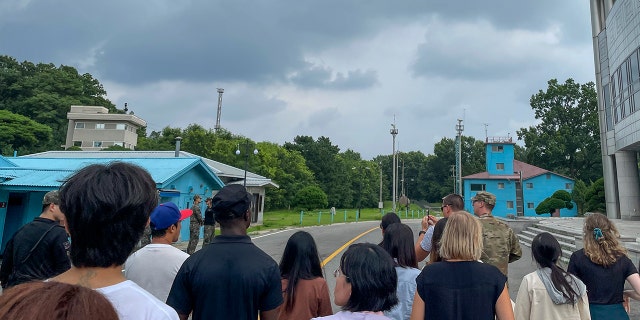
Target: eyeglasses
338, 273
442, 207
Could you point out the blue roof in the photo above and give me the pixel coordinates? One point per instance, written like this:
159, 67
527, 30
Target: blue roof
52, 171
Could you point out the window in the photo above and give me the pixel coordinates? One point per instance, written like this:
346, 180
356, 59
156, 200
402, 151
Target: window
529, 185
568, 186
495, 148
500, 185
99, 125
110, 126
500, 166
79, 125
478, 187
548, 176
77, 143
509, 204
97, 144
121, 126
529, 205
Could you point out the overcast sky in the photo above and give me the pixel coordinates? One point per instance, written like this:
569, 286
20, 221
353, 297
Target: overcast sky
336, 68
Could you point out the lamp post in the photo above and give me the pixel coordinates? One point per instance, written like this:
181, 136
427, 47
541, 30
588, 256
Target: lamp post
361, 186
246, 159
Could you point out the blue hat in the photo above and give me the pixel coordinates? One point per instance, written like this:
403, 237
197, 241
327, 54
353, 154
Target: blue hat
166, 214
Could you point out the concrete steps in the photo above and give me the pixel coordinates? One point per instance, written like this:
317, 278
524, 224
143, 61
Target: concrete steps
569, 239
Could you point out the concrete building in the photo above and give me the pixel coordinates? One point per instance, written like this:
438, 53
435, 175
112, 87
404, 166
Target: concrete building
519, 187
94, 128
616, 44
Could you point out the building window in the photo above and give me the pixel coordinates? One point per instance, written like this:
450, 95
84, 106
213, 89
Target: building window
500, 185
121, 126
478, 187
529, 205
495, 148
500, 166
79, 125
529, 185
548, 176
97, 144
99, 125
77, 143
110, 126
509, 204
568, 186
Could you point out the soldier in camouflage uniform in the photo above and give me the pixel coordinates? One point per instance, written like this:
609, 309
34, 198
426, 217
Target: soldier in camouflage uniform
194, 225
500, 244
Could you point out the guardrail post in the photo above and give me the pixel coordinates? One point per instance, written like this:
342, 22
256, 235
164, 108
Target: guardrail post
301, 213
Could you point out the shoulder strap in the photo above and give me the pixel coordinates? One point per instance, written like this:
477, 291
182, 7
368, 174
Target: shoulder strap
37, 243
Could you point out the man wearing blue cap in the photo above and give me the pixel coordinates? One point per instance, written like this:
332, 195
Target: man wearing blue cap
154, 266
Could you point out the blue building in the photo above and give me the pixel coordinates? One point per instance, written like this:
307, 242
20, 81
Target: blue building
519, 187
24, 181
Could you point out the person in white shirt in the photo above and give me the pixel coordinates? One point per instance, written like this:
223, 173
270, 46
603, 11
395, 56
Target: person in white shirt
154, 266
107, 208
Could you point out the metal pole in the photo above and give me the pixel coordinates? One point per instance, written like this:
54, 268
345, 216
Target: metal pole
394, 169
380, 205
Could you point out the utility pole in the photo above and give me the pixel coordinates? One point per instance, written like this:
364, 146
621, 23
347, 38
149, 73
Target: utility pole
459, 128
394, 132
380, 203
220, 92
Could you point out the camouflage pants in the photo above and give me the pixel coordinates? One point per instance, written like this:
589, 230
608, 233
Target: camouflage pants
194, 236
209, 233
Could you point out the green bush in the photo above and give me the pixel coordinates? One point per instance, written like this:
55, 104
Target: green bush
310, 198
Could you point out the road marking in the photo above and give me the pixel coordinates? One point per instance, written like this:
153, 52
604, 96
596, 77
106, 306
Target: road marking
271, 233
335, 253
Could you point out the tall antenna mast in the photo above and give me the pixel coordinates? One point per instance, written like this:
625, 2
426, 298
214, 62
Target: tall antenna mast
458, 178
486, 135
220, 92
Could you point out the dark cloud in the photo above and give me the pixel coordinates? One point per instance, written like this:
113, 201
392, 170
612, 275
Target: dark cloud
320, 77
139, 42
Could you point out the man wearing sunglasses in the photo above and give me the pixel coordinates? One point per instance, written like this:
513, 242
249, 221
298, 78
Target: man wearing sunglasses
450, 204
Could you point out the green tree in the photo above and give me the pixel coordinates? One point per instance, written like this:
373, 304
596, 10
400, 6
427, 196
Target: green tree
578, 195
44, 93
567, 139
310, 198
560, 199
331, 171
595, 197
21, 133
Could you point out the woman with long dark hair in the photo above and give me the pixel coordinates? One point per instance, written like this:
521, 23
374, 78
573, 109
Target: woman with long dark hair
398, 242
604, 267
434, 256
304, 288
550, 292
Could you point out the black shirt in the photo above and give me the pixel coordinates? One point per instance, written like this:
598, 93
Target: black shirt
209, 217
48, 259
604, 284
230, 278
460, 290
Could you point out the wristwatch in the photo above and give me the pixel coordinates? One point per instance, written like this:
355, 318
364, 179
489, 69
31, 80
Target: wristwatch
421, 232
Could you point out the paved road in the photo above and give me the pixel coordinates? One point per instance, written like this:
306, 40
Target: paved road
331, 238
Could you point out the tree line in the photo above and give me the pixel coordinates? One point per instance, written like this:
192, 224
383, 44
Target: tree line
35, 98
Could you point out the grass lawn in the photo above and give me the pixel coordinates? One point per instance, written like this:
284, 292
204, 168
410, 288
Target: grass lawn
280, 219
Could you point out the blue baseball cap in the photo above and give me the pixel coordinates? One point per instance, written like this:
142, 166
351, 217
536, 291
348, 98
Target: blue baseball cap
166, 214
